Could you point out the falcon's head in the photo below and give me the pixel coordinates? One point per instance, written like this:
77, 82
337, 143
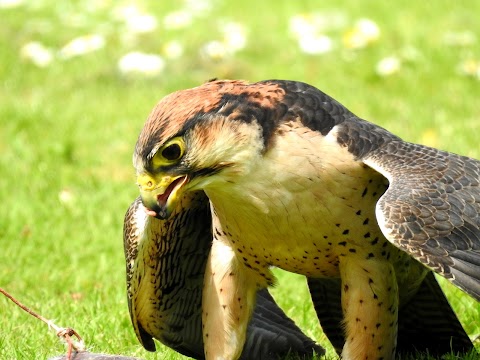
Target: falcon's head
203, 137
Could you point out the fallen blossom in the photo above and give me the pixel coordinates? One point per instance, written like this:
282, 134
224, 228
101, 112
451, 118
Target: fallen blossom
65, 196
82, 45
234, 36
363, 33
314, 45
470, 67
214, 50
172, 49
198, 7
388, 66
141, 23
36, 53
10, 4
141, 63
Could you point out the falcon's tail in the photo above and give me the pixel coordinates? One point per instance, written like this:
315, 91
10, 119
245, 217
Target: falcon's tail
426, 323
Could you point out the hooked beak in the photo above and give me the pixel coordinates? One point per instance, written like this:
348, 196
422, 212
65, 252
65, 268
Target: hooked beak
160, 195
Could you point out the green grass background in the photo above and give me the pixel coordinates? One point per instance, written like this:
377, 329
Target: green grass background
71, 127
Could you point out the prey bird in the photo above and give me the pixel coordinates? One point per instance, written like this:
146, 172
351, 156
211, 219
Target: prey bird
292, 179
166, 262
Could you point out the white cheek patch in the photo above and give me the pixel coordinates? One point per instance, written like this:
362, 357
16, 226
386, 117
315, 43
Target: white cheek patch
332, 136
234, 143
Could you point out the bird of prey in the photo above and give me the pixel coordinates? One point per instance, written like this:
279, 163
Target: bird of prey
295, 180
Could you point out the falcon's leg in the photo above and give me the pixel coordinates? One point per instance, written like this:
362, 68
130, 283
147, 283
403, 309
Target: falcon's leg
370, 308
228, 300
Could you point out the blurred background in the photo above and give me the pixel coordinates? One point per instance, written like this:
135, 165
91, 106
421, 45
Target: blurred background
79, 78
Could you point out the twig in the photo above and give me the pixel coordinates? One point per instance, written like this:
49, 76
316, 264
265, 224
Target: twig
65, 333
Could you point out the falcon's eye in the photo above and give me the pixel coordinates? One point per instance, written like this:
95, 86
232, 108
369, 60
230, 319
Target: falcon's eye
169, 153
172, 152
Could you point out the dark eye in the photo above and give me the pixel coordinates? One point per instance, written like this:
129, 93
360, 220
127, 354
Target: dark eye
172, 152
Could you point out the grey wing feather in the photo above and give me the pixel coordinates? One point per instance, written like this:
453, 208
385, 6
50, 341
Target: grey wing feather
166, 262
431, 208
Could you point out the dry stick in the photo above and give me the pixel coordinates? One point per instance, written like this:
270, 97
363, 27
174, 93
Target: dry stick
65, 333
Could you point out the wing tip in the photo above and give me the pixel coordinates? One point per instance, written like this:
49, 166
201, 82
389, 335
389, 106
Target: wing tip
466, 282
145, 339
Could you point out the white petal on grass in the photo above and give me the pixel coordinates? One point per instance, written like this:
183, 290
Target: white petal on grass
234, 36
10, 4
36, 53
470, 67
125, 12
172, 49
82, 45
368, 28
198, 7
177, 20
214, 50
388, 66
316, 23
66, 196
363, 33
302, 25
141, 63
315, 45
141, 23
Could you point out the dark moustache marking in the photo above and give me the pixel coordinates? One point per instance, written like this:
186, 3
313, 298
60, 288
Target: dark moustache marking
208, 171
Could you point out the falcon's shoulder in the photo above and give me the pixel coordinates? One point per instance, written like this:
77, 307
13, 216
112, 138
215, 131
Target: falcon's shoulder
317, 111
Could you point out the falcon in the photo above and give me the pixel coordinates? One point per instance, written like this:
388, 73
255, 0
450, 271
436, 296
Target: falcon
294, 180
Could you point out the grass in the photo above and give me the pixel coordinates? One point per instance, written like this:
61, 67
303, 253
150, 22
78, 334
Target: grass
67, 132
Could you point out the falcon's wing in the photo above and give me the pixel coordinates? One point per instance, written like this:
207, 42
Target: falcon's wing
166, 262
431, 208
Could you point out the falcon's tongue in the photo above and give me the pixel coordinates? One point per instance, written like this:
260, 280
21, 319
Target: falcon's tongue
162, 199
